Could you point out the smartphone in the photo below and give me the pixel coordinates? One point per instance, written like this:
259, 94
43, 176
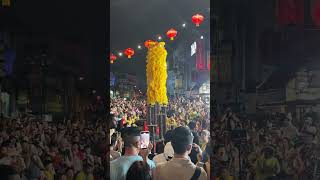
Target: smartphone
144, 139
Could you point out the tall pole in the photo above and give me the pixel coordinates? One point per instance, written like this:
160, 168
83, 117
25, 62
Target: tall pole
1, 96
243, 58
43, 84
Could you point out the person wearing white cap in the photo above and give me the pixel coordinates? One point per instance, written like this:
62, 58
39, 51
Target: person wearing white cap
166, 155
168, 150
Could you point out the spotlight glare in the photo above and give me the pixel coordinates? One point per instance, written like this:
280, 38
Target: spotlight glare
184, 25
139, 47
120, 54
201, 37
159, 37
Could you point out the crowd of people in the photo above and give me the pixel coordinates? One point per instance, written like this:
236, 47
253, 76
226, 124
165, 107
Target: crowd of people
269, 147
180, 111
38, 150
185, 149
273, 146
227, 146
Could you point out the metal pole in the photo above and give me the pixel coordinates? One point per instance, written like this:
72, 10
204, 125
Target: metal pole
240, 164
1, 96
243, 58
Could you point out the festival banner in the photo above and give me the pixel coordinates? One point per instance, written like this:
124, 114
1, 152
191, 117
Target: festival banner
200, 56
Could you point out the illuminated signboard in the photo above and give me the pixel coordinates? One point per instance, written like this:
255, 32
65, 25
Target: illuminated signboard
193, 48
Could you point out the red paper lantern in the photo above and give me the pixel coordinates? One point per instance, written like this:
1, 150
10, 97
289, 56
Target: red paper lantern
129, 52
148, 43
112, 58
172, 33
197, 19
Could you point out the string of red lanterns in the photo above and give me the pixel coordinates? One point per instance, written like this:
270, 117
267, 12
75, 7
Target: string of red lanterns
148, 43
197, 19
129, 52
172, 33
112, 58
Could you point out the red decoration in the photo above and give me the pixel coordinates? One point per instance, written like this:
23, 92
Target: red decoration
129, 52
197, 19
157, 130
148, 43
316, 13
145, 126
172, 33
200, 57
112, 58
209, 62
290, 12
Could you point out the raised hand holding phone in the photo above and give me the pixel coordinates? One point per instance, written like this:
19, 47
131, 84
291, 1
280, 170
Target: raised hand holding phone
144, 139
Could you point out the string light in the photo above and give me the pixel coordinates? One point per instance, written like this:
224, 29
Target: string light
159, 37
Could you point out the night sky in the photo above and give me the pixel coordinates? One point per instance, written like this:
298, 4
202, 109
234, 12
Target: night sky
133, 22
82, 21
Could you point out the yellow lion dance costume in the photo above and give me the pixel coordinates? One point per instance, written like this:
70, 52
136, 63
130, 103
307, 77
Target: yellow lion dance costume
157, 74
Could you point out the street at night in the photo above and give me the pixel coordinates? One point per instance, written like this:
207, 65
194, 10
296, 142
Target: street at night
53, 121
160, 90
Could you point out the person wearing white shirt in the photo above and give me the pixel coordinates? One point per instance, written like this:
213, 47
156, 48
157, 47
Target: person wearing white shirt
166, 155
180, 166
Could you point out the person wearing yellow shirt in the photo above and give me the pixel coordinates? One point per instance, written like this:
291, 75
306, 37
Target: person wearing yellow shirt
204, 139
132, 120
171, 122
267, 166
49, 170
86, 173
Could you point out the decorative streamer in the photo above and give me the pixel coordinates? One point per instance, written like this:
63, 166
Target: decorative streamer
157, 74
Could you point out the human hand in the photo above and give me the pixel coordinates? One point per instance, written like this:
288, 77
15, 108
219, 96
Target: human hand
145, 152
197, 148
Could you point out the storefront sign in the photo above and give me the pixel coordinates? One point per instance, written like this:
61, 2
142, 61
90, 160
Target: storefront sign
193, 48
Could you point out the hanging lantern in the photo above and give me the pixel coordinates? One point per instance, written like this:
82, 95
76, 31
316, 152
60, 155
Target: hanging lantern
197, 19
112, 58
148, 43
172, 33
129, 52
